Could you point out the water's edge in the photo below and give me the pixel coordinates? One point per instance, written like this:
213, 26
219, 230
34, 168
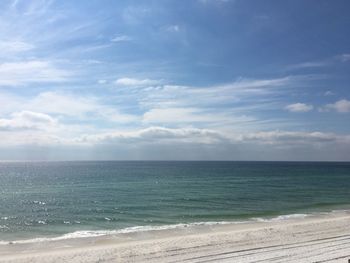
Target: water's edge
147, 228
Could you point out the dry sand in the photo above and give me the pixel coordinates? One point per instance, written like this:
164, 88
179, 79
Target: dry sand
314, 239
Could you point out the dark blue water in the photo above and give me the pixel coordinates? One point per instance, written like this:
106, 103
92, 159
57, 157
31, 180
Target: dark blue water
54, 198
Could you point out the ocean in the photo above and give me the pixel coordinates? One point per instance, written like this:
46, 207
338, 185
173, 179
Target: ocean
71, 199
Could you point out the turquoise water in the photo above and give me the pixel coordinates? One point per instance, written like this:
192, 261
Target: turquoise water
49, 199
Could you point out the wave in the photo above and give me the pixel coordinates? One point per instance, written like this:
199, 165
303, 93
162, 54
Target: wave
147, 228
281, 217
97, 233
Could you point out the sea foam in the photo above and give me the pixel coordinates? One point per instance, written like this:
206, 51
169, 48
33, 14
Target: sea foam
97, 233
281, 217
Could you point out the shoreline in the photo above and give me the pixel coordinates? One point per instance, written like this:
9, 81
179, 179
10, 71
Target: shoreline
306, 239
202, 225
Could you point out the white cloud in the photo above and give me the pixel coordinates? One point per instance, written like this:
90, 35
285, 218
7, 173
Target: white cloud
329, 93
136, 82
191, 116
156, 134
344, 57
34, 71
59, 103
66, 106
207, 116
190, 136
27, 120
313, 64
14, 46
292, 138
14, 3
299, 107
214, 1
224, 105
11, 103
38, 8
183, 143
258, 83
173, 28
92, 48
34, 117
122, 38
102, 81
79, 107
178, 115
135, 14
342, 106
247, 89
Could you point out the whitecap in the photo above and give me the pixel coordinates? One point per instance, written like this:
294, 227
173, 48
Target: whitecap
279, 218
39, 202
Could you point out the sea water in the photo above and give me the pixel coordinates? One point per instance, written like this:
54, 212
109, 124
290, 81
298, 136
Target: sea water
58, 200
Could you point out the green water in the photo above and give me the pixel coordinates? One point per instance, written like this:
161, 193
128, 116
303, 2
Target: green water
48, 199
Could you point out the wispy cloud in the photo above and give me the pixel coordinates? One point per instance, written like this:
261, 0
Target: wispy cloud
33, 71
136, 82
121, 38
192, 116
299, 107
38, 7
102, 81
78, 107
214, 1
93, 47
134, 72
329, 93
135, 14
243, 83
173, 28
344, 57
235, 104
251, 90
311, 64
321, 63
14, 46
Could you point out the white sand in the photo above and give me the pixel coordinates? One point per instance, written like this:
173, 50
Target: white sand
315, 239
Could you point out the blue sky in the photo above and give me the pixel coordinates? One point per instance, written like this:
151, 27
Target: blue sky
178, 80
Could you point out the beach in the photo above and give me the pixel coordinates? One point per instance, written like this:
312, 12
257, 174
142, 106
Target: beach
174, 212
316, 238
174, 131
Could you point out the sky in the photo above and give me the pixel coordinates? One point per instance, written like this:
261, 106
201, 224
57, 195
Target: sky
175, 80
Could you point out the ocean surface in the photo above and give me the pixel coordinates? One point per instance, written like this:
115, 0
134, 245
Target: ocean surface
67, 199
